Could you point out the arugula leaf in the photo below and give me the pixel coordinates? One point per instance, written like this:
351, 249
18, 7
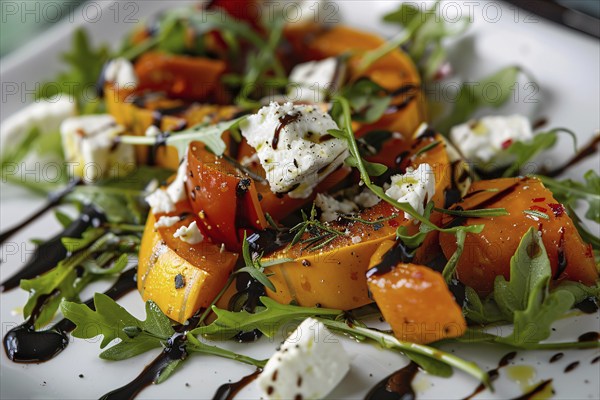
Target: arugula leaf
526, 299
85, 65
111, 321
450, 267
569, 192
122, 199
417, 352
63, 218
471, 96
268, 320
253, 266
63, 281
482, 312
525, 151
209, 135
425, 45
367, 99
580, 291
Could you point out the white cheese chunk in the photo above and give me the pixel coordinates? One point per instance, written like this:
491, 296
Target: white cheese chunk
90, 147
293, 146
176, 190
485, 139
166, 222
310, 364
331, 208
160, 202
189, 234
366, 199
416, 187
313, 80
121, 73
45, 115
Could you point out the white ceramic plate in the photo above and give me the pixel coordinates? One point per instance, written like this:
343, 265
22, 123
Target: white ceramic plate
564, 63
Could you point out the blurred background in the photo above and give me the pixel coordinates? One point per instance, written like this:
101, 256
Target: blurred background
22, 21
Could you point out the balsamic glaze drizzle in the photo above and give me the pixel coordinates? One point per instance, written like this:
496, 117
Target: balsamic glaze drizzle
228, 391
283, 122
397, 386
173, 352
493, 374
24, 344
54, 199
50, 253
398, 253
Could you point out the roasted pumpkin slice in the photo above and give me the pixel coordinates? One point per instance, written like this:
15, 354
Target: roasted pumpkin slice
165, 114
182, 77
180, 277
413, 299
334, 275
394, 72
223, 197
530, 204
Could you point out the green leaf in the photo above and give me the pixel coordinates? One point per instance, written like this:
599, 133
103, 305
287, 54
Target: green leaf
525, 151
121, 199
108, 320
417, 352
450, 267
156, 322
473, 96
367, 99
569, 192
480, 312
532, 324
373, 169
63, 218
428, 30
580, 291
268, 321
84, 67
431, 365
128, 349
526, 299
529, 273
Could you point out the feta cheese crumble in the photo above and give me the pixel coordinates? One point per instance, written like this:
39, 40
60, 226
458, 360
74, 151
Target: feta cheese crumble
293, 146
121, 73
313, 80
485, 139
166, 222
160, 202
176, 190
331, 208
189, 234
90, 146
44, 114
416, 187
309, 364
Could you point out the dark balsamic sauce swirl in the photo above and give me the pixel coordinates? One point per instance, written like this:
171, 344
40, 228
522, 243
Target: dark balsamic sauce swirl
228, 391
397, 386
50, 253
398, 253
494, 373
283, 122
24, 344
173, 352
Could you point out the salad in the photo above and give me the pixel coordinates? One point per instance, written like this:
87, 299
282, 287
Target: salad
250, 176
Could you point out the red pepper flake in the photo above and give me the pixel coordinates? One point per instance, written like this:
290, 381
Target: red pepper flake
538, 199
538, 208
557, 208
394, 223
506, 144
589, 252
